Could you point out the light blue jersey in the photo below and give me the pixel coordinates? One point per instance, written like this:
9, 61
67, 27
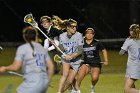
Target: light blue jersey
33, 67
133, 63
71, 46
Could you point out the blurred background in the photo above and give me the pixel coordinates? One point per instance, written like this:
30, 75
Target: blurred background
110, 18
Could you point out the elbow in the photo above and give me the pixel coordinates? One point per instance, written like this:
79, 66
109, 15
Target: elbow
122, 52
15, 68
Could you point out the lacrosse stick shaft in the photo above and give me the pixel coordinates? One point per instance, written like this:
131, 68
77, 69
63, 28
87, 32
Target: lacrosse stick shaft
50, 40
15, 73
30, 20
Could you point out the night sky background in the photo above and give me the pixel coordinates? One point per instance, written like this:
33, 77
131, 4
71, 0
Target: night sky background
109, 18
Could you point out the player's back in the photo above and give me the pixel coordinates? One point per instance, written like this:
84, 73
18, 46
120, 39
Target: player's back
34, 59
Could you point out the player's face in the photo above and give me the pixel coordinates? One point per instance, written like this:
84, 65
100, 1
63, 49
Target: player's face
72, 28
89, 35
45, 23
131, 32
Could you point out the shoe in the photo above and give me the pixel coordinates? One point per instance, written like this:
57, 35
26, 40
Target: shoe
92, 89
72, 91
92, 92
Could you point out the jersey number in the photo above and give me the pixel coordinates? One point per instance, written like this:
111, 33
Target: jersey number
40, 59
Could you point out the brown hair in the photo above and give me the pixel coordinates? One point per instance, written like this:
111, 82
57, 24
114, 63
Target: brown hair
135, 28
45, 17
30, 34
91, 30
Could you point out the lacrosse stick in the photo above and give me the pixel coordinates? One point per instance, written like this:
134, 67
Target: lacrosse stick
30, 20
57, 58
15, 73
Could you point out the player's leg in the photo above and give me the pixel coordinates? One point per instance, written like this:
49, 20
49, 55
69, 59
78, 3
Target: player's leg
70, 79
65, 71
71, 88
95, 72
84, 69
129, 86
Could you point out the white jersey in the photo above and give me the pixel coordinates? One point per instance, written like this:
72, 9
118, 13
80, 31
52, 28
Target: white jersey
133, 63
32, 61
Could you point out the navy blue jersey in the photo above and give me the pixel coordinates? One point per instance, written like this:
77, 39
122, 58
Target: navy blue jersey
91, 51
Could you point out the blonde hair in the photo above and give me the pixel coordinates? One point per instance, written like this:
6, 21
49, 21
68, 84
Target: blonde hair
62, 24
135, 28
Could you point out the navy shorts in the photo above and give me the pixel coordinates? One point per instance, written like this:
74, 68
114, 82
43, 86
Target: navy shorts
92, 65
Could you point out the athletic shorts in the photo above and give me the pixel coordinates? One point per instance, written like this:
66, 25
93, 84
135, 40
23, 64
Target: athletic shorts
34, 83
133, 71
74, 65
92, 65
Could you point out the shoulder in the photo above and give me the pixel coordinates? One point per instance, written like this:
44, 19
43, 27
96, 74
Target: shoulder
78, 33
63, 34
22, 46
97, 40
128, 40
38, 45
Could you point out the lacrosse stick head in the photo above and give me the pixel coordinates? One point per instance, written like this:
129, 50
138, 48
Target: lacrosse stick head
57, 58
30, 20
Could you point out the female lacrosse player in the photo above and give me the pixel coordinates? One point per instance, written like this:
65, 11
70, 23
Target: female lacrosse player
51, 31
132, 45
35, 62
92, 61
71, 42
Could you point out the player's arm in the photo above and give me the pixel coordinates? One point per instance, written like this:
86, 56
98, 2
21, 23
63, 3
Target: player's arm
13, 67
105, 55
79, 52
50, 69
122, 52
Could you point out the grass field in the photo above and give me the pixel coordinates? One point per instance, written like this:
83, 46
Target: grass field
111, 80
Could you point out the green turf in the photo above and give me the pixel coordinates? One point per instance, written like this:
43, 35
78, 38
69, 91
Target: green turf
111, 80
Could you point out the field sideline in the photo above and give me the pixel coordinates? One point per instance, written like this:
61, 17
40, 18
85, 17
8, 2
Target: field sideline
111, 80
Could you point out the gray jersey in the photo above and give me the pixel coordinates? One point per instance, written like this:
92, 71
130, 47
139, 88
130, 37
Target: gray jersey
32, 61
71, 44
34, 68
133, 64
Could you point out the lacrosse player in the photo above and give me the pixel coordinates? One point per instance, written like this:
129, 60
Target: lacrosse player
91, 59
35, 63
132, 45
71, 42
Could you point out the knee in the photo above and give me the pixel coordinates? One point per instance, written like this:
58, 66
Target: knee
95, 78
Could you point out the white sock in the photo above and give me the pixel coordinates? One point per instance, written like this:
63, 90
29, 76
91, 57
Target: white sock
91, 88
78, 91
58, 92
139, 91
